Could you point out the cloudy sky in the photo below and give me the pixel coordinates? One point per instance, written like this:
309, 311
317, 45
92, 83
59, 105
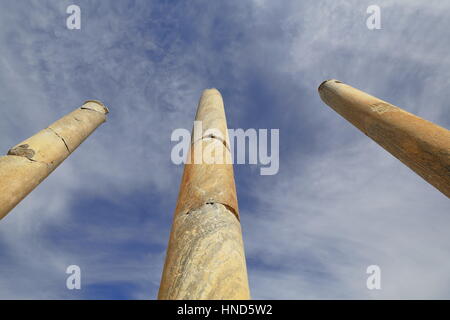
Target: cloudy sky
339, 202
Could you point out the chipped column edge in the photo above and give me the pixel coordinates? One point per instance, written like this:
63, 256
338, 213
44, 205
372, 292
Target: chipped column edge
91, 105
189, 209
212, 136
323, 84
323, 87
191, 201
102, 109
22, 150
234, 211
169, 278
184, 206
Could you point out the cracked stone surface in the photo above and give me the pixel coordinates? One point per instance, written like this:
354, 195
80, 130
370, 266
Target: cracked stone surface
32, 160
202, 183
421, 145
211, 112
205, 256
22, 151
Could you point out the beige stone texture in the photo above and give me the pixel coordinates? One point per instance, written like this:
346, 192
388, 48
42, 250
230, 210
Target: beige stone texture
211, 112
421, 145
203, 183
31, 161
205, 256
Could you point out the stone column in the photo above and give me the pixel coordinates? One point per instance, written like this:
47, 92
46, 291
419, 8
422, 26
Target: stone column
422, 145
32, 160
205, 256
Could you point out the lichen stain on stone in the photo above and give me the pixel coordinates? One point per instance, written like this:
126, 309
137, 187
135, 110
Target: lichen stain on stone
22, 151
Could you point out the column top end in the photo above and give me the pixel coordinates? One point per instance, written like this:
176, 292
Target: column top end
95, 105
327, 82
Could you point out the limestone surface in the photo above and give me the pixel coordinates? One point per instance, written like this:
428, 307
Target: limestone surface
205, 257
421, 145
31, 161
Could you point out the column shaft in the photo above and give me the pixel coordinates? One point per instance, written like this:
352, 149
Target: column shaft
421, 145
205, 256
32, 160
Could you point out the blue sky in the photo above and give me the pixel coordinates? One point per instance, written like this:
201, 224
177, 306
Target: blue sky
339, 202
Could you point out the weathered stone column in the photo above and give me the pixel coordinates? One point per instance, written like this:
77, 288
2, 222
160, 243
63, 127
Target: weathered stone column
422, 145
32, 160
205, 257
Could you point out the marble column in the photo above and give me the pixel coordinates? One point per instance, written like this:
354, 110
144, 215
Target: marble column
205, 257
421, 145
28, 163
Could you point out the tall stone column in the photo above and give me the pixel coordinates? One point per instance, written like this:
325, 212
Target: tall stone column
205, 256
422, 145
32, 160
